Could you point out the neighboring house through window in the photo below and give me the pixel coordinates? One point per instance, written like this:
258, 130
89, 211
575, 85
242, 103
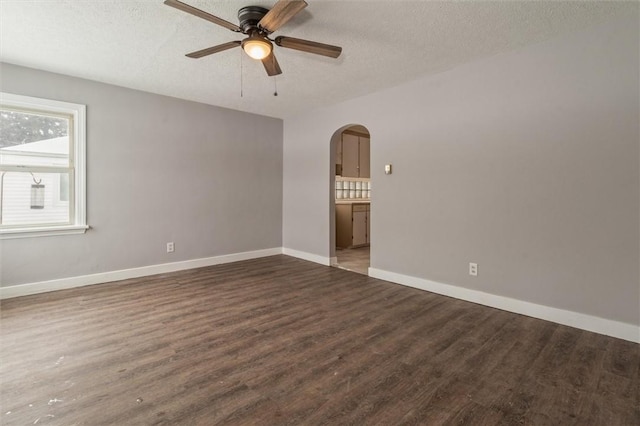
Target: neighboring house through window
42, 167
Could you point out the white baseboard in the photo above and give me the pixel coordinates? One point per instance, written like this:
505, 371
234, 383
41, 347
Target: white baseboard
79, 281
595, 324
307, 256
333, 261
592, 323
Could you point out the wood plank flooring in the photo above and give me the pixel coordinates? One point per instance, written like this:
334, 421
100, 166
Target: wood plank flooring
277, 341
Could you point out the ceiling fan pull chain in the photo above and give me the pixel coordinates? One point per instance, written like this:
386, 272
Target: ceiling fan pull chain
275, 85
241, 85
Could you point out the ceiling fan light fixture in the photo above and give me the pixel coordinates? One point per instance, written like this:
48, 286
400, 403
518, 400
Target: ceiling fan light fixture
257, 47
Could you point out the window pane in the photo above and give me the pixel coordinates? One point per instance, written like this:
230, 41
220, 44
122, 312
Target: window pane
34, 198
64, 187
33, 139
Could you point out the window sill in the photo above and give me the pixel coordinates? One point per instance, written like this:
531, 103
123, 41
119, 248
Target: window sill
48, 231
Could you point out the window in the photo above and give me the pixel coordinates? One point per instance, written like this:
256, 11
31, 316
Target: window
42, 167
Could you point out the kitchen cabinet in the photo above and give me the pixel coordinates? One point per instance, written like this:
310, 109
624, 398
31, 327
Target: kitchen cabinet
356, 155
350, 154
368, 224
353, 225
339, 158
364, 157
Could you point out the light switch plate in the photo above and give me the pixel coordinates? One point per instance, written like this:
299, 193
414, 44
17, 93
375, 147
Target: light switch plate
387, 169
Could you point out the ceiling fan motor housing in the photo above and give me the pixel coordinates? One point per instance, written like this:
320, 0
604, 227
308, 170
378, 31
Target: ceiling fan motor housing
249, 17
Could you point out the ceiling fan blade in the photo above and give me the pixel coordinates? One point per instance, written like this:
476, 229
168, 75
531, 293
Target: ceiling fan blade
202, 14
214, 49
280, 13
271, 65
309, 46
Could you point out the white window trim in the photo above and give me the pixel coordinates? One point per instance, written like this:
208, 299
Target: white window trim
78, 111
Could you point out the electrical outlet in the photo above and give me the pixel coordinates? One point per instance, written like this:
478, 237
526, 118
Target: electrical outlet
170, 247
473, 269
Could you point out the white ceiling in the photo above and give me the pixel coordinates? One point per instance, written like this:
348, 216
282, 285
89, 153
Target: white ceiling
141, 44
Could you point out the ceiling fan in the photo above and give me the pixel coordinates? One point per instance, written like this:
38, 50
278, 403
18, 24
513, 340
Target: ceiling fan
258, 23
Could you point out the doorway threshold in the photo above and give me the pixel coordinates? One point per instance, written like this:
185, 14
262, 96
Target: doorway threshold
355, 260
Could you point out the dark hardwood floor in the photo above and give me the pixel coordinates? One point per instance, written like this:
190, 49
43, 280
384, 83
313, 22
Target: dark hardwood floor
278, 340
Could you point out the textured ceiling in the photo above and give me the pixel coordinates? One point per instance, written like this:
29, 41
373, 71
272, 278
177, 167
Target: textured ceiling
141, 44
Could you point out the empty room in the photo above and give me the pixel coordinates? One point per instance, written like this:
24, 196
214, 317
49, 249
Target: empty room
319, 212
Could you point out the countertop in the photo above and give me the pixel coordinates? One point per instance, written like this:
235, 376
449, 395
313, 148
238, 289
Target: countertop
353, 201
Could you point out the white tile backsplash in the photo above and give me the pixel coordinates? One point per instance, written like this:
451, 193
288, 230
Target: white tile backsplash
353, 189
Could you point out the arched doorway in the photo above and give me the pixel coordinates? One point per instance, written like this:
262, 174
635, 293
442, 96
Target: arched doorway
351, 198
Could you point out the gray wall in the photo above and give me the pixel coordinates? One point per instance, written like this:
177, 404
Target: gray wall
526, 163
159, 169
